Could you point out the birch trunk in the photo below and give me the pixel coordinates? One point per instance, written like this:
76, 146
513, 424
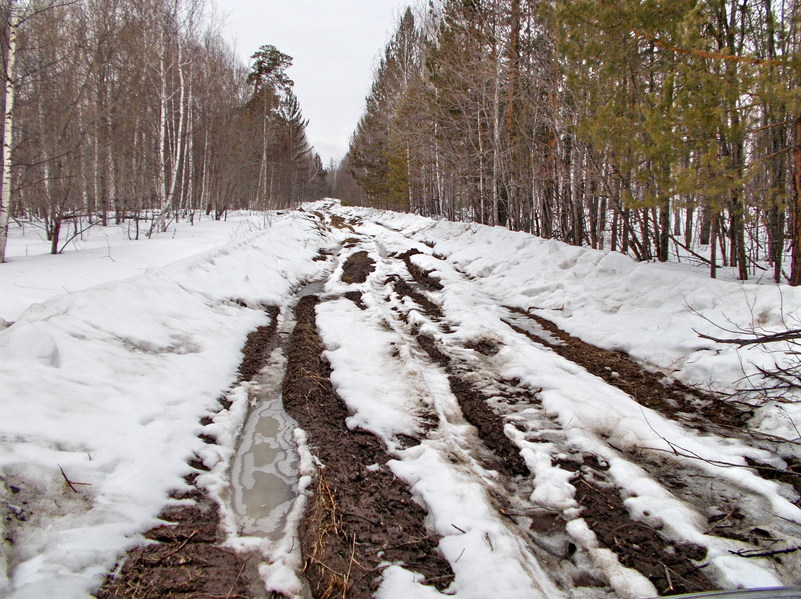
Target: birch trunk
8, 127
170, 183
496, 138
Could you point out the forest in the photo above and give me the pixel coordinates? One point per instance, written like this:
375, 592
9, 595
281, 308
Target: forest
139, 112
650, 127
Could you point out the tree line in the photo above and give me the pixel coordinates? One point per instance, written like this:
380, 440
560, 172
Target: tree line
643, 126
138, 111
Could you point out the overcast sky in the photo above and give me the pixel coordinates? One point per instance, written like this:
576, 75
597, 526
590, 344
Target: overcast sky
334, 44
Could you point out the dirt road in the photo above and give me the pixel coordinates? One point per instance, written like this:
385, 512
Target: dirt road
478, 450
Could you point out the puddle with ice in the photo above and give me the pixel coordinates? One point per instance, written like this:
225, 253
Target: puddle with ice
264, 474
265, 471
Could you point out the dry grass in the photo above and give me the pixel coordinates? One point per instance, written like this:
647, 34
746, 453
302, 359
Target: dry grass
324, 520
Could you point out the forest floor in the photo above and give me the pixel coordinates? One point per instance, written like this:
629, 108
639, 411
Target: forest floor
452, 443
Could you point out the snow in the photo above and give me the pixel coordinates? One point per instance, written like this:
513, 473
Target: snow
381, 406
651, 311
118, 348
108, 382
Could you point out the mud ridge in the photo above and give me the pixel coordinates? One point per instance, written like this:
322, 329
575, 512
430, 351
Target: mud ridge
403, 289
669, 566
791, 476
187, 560
340, 223
474, 407
420, 276
356, 298
360, 514
357, 268
258, 346
476, 411
650, 389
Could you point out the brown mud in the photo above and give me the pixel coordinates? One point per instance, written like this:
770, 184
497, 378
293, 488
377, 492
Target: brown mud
791, 476
357, 268
403, 289
338, 222
420, 276
472, 403
653, 390
479, 414
258, 346
356, 298
669, 566
360, 514
187, 560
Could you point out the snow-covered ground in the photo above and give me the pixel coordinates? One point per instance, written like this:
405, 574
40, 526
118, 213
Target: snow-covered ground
650, 311
118, 348
116, 352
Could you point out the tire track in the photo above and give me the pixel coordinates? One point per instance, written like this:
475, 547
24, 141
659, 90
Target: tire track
360, 515
672, 565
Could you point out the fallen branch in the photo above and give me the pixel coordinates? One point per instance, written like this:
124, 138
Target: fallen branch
757, 553
790, 335
70, 483
699, 256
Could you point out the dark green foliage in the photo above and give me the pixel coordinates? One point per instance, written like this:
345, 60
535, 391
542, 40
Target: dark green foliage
636, 125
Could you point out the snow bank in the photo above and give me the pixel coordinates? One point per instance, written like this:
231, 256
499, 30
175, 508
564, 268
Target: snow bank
106, 386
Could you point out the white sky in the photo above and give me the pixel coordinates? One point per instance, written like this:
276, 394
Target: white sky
334, 44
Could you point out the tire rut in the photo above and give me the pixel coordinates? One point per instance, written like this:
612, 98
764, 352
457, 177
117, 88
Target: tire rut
697, 409
188, 558
672, 566
651, 389
360, 514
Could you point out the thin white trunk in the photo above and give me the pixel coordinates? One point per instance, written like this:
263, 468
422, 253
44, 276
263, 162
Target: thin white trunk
177, 154
190, 152
496, 138
161, 175
204, 172
480, 170
8, 128
99, 205
111, 191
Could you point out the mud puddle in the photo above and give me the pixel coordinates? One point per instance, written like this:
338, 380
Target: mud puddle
264, 472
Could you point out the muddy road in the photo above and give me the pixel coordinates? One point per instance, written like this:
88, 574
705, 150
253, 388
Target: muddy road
454, 445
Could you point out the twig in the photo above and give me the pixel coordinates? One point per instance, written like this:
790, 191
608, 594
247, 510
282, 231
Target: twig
757, 339
754, 553
181, 546
70, 483
680, 451
242, 569
669, 581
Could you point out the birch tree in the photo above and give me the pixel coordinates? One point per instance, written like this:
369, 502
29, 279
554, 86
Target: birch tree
13, 17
